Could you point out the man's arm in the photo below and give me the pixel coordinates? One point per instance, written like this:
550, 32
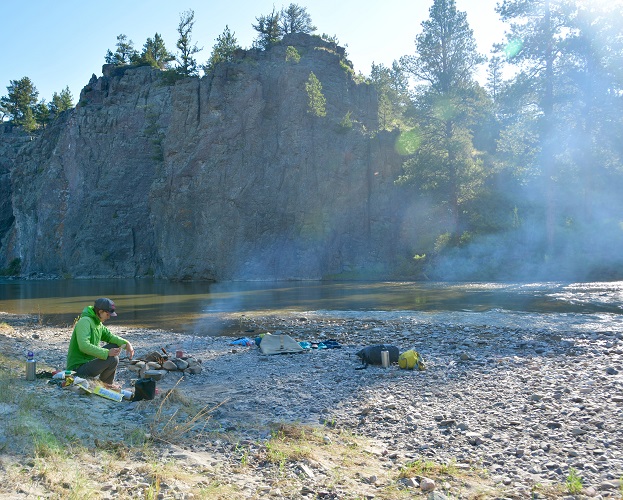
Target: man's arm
83, 336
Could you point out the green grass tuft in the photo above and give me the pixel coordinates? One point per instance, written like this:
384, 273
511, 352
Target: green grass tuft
574, 482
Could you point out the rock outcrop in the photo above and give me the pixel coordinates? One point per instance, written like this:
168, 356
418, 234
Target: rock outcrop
11, 141
222, 177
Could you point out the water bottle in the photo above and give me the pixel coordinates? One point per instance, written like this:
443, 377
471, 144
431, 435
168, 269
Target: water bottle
31, 366
385, 358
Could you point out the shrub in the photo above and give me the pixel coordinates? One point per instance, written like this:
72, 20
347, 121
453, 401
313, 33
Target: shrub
14, 268
292, 55
347, 122
574, 482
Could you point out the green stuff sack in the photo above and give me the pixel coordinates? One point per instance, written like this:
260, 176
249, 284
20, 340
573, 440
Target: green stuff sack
410, 359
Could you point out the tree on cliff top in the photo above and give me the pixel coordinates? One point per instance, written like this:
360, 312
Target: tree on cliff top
41, 113
124, 54
61, 102
394, 100
156, 54
268, 30
272, 27
187, 63
20, 103
224, 49
295, 19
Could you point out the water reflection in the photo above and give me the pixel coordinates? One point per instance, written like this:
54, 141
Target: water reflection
189, 306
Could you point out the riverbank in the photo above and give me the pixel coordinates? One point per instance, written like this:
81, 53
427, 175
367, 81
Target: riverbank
523, 410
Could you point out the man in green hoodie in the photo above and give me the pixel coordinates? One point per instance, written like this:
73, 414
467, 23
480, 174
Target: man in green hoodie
85, 356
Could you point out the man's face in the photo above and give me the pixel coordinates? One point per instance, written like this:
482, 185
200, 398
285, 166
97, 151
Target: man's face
104, 315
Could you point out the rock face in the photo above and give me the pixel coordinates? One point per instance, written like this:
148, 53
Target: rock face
11, 140
224, 177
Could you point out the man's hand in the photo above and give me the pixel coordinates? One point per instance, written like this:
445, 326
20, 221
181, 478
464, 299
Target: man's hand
115, 351
129, 350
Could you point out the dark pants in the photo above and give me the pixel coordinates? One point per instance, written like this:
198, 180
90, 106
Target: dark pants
105, 368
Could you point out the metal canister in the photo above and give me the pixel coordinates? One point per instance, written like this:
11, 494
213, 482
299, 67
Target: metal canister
31, 367
385, 359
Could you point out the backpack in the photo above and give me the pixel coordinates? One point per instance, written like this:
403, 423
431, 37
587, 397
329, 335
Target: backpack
371, 355
144, 388
411, 359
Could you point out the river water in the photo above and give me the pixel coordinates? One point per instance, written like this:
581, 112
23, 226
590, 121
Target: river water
194, 306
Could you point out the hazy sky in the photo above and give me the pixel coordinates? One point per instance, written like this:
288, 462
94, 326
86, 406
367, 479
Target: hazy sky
62, 43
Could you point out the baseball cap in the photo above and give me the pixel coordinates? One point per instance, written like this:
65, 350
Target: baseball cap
106, 305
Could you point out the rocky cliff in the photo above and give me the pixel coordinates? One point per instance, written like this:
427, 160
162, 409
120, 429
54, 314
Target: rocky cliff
222, 177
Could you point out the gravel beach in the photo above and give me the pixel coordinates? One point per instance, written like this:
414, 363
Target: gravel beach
524, 405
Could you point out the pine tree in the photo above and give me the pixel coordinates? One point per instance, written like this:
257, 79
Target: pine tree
269, 31
495, 80
156, 54
187, 63
20, 103
295, 19
61, 102
224, 49
124, 54
446, 163
393, 90
566, 95
316, 99
41, 114
446, 53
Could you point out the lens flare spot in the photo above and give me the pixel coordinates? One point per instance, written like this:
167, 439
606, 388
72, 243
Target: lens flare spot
513, 48
408, 142
444, 108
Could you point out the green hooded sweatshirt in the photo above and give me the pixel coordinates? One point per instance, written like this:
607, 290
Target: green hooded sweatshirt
84, 345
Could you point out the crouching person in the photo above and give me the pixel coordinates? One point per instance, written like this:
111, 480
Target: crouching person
85, 355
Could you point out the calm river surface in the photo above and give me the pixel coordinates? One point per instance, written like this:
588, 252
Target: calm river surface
193, 306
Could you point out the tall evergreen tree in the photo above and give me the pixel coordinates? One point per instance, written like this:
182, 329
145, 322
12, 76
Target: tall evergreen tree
594, 110
20, 103
392, 87
268, 29
448, 103
295, 19
61, 102
187, 63
156, 54
41, 113
124, 53
566, 94
223, 50
446, 52
495, 79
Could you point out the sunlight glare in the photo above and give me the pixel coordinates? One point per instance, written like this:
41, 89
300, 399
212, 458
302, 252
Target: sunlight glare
600, 3
513, 48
